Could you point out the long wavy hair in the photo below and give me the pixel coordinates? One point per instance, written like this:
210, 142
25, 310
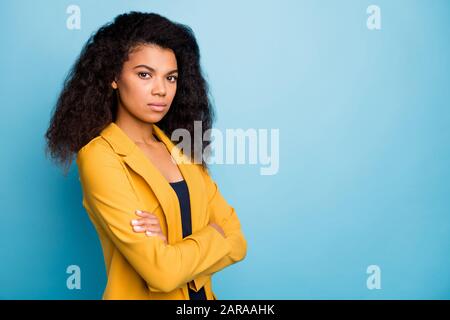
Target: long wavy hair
87, 103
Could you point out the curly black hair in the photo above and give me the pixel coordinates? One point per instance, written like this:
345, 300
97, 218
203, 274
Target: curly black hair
87, 103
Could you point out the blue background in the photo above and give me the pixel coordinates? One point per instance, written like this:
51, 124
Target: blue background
364, 126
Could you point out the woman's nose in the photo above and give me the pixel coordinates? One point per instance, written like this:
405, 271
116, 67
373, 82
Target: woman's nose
159, 87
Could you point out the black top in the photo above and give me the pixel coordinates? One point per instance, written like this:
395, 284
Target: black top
182, 192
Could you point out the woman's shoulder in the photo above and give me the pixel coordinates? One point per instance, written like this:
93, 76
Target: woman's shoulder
95, 150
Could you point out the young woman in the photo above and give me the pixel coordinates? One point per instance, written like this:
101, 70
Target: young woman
163, 224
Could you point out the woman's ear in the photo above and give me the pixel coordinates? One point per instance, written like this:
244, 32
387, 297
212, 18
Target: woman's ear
114, 85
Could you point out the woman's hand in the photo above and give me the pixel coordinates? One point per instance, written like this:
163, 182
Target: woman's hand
218, 228
149, 224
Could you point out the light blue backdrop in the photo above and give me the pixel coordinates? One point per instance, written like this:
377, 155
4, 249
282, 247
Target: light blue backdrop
364, 126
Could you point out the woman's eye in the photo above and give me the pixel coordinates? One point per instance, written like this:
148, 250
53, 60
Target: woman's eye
143, 73
174, 78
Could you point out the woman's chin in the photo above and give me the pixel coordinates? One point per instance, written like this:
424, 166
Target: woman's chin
153, 117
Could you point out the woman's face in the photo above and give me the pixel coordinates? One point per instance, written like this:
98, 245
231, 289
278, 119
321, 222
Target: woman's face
147, 84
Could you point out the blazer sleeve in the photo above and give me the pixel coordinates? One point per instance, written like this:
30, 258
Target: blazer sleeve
110, 197
224, 215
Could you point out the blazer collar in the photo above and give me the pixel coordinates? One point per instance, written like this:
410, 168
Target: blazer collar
136, 159
122, 143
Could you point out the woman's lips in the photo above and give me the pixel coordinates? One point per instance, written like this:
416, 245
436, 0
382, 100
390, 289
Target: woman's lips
157, 106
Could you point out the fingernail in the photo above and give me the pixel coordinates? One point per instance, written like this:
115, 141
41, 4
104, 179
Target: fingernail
134, 222
138, 228
149, 233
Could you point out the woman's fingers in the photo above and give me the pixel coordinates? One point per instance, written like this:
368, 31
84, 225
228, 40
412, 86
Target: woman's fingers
144, 214
148, 228
139, 229
149, 224
151, 229
151, 233
140, 225
146, 218
218, 228
144, 221
157, 234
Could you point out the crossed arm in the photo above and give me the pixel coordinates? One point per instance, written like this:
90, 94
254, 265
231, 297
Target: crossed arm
110, 198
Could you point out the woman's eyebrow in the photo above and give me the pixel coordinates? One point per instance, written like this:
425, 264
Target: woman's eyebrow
151, 69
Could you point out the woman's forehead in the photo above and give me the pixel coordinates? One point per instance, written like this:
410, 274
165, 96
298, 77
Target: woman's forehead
155, 57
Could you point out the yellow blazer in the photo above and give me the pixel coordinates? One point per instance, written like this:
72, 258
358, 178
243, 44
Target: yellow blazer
117, 178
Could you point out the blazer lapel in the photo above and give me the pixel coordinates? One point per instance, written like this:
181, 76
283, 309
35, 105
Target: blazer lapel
193, 179
135, 158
